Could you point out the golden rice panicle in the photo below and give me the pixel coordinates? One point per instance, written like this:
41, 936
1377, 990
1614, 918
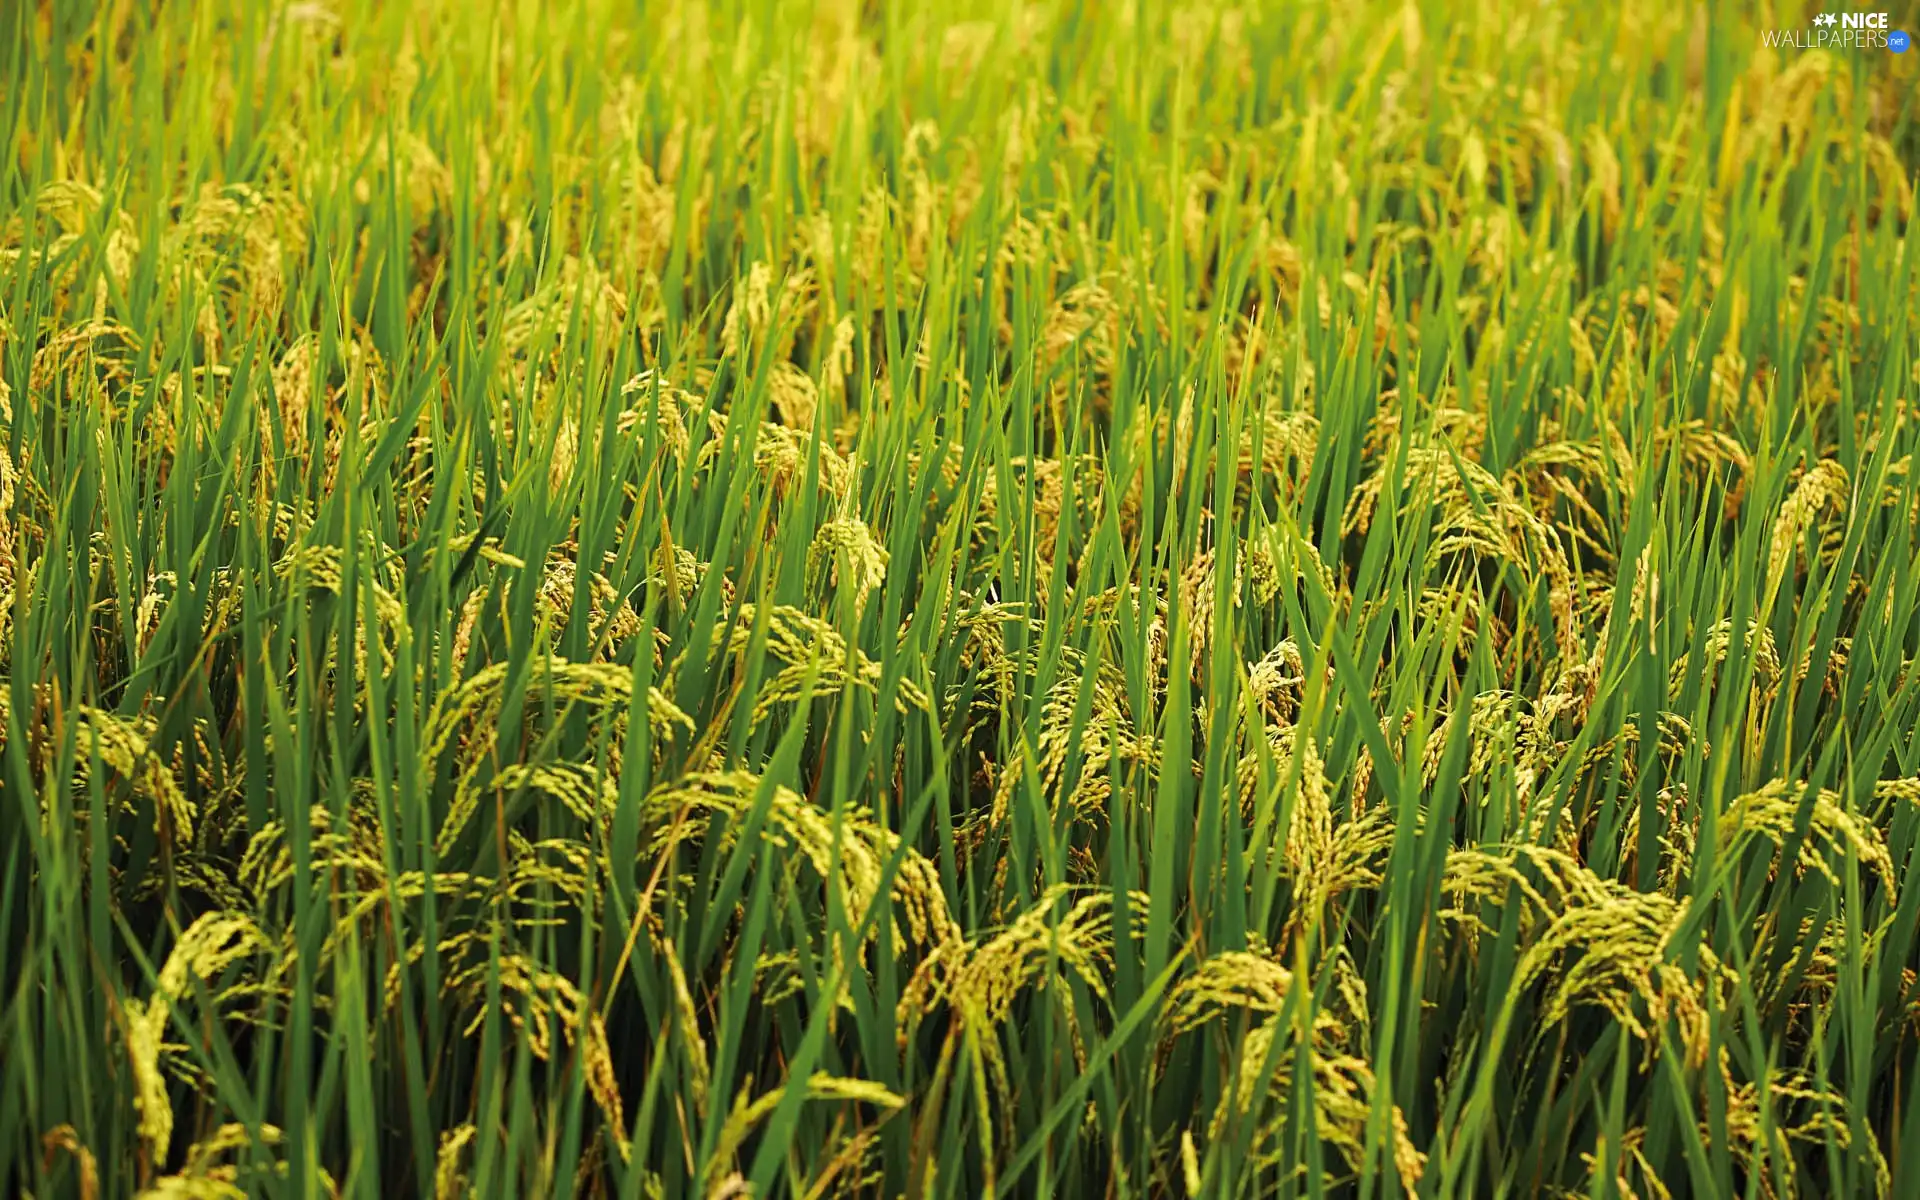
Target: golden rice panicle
1832, 833
846, 555
449, 1181
204, 950
1825, 484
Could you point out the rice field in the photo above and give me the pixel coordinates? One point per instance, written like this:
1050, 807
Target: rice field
879, 598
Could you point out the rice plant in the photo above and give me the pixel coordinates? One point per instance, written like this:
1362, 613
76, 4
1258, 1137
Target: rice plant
879, 598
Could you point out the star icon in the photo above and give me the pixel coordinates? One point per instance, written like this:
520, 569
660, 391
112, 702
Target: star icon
1824, 19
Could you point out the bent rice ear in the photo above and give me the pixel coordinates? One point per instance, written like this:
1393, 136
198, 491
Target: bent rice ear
832, 599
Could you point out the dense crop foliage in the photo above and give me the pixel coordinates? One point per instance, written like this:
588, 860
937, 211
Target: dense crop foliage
1066, 599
